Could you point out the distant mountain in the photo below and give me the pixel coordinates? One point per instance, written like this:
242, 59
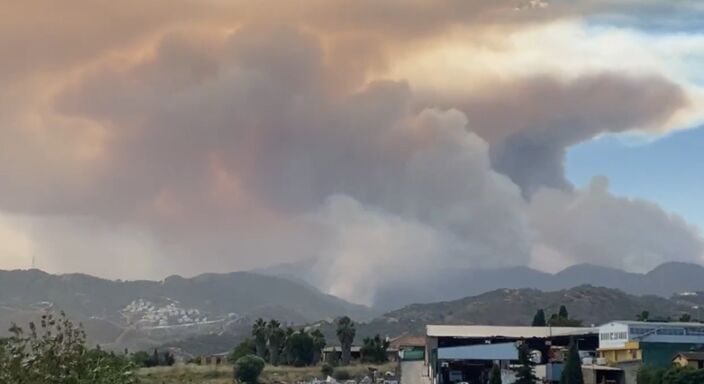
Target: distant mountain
142, 313
453, 283
592, 305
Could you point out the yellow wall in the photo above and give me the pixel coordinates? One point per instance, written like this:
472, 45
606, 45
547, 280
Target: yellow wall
682, 362
629, 352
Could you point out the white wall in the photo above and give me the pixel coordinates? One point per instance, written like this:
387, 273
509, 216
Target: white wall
613, 335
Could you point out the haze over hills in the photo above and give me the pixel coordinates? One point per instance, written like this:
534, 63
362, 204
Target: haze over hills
592, 305
449, 284
140, 313
208, 313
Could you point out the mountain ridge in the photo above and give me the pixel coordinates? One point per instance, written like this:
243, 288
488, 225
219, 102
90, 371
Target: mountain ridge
664, 280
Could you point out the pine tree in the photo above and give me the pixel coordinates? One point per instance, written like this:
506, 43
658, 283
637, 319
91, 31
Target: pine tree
495, 375
525, 373
572, 372
539, 319
563, 313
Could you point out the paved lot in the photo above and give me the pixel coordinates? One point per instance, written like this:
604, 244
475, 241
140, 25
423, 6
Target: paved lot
412, 372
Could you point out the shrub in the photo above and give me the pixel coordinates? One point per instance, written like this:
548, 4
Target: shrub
55, 352
341, 375
247, 347
248, 369
327, 370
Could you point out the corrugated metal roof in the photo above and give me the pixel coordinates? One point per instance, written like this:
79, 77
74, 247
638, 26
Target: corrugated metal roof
484, 331
503, 351
657, 323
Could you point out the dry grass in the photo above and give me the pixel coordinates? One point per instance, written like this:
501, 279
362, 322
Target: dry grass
209, 374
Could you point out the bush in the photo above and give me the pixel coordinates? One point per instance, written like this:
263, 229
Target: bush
247, 347
341, 375
55, 352
248, 369
327, 370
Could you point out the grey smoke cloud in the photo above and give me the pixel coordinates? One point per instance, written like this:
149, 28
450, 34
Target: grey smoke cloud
211, 151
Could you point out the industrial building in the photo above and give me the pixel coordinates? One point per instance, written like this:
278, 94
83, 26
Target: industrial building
467, 353
651, 343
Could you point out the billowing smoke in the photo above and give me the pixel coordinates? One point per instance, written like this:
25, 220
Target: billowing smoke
245, 139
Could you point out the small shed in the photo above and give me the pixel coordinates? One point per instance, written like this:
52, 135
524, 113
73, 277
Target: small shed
689, 359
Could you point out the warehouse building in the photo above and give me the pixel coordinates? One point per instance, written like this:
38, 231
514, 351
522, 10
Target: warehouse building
655, 343
467, 353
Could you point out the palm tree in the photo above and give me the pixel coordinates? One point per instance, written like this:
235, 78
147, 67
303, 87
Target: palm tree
346, 333
260, 333
318, 344
276, 339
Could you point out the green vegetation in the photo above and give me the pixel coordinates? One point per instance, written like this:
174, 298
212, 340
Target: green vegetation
278, 346
276, 336
55, 352
674, 375
260, 333
374, 350
327, 370
223, 374
572, 372
341, 374
539, 319
526, 372
318, 344
495, 374
248, 368
247, 347
345, 333
156, 359
562, 319
643, 316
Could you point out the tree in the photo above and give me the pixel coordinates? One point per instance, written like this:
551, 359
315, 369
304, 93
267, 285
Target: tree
248, 368
525, 373
345, 333
562, 319
247, 347
259, 332
539, 319
572, 371
318, 344
55, 352
276, 340
643, 316
374, 350
141, 359
301, 348
686, 318
495, 375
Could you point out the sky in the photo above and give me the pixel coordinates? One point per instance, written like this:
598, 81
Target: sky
383, 140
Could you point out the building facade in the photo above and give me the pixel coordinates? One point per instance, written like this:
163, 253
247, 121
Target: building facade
648, 343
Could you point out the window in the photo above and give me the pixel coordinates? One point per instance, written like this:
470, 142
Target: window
613, 336
671, 331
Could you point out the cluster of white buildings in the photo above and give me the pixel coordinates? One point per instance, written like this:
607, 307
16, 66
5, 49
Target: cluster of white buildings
146, 313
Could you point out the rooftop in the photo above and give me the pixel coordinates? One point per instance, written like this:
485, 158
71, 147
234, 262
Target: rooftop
485, 331
692, 355
658, 323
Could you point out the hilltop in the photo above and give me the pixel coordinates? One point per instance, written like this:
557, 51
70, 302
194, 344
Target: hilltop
143, 313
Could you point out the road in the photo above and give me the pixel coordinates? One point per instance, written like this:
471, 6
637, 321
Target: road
412, 372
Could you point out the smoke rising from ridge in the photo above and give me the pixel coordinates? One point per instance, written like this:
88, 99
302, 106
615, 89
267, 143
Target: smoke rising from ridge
211, 139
